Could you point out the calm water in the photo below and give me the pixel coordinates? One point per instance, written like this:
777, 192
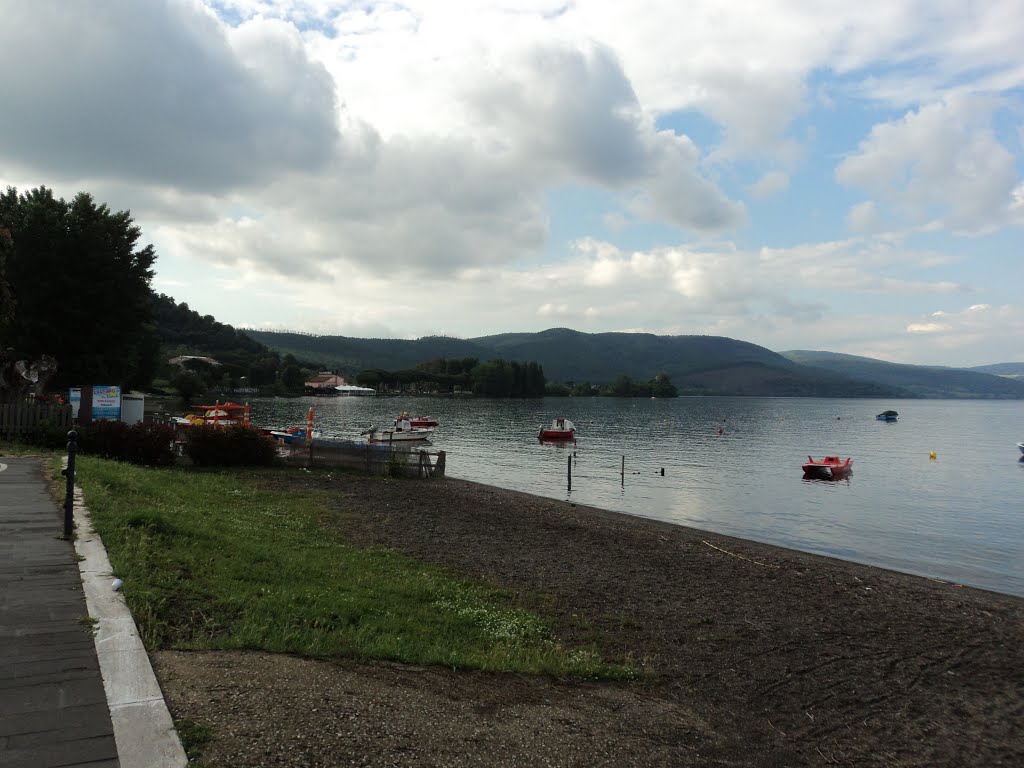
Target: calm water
957, 517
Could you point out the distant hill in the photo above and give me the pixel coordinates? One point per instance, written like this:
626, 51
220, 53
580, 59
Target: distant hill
707, 365
351, 355
917, 380
1010, 370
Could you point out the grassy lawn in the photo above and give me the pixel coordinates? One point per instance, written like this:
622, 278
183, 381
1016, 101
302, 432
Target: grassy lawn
211, 561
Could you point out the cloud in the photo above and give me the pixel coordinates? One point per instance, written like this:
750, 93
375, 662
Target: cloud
769, 185
159, 93
942, 161
864, 217
570, 114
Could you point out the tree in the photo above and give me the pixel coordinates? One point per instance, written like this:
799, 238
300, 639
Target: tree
6, 299
661, 386
81, 288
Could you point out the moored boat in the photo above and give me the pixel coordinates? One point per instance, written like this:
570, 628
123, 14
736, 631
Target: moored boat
560, 429
292, 435
218, 415
405, 421
376, 435
1021, 446
887, 416
828, 468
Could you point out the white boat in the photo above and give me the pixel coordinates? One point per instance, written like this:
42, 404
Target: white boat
395, 435
1021, 446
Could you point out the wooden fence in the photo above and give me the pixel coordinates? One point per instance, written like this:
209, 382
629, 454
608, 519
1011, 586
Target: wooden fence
372, 458
21, 418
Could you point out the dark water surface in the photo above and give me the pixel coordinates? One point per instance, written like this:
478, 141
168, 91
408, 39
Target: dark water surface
958, 516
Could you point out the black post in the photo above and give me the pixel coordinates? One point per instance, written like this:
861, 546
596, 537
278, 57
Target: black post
69, 492
568, 469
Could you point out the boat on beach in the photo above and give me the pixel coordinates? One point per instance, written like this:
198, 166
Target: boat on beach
560, 429
888, 416
828, 468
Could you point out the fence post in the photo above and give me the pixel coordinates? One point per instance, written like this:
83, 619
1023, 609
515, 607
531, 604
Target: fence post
69, 492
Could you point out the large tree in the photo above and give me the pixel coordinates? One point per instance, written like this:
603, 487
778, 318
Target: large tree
81, 288
6, 299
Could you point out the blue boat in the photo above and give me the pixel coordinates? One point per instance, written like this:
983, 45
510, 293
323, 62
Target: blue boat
887, 416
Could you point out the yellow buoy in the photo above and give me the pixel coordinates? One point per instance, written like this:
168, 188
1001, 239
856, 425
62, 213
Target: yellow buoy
931, 455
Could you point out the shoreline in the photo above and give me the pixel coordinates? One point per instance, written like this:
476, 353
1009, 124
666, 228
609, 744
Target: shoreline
742, 540
753, 654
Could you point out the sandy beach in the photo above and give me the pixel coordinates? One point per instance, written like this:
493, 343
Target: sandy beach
756, 655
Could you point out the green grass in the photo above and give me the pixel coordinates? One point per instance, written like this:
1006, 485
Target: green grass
210, 560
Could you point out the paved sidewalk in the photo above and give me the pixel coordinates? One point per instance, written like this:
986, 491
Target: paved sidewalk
53, 708
77, 689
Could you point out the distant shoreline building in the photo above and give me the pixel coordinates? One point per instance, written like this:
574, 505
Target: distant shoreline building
350, 390
324, 383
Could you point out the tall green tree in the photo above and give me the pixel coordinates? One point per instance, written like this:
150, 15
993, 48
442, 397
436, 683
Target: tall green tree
6, 298
81, 286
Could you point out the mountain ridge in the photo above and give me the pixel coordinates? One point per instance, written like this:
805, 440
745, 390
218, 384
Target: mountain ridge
696, 364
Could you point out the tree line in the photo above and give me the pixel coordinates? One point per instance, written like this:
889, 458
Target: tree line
76, 301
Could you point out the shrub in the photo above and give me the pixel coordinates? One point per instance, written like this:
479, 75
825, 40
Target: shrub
146, 444
45, 435
237, 445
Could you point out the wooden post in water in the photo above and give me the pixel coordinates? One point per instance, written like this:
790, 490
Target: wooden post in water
568, 469
622, 472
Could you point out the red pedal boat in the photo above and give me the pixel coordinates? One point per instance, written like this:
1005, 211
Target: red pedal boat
829, 468
560, 429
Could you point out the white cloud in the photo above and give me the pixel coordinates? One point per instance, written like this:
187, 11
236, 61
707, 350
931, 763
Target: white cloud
770, 184
158, 93
864, 217
942, 161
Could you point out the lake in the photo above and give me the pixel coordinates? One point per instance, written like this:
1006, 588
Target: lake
957, 517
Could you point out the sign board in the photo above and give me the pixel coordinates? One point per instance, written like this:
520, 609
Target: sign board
106, 403
75, 398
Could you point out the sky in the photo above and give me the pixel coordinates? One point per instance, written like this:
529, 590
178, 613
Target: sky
819, 175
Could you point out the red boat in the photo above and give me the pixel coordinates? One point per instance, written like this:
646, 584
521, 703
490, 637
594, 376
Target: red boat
829, 468
405, 421
560, 429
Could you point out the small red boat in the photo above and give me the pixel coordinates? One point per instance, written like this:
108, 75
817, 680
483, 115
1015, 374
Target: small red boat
560, 429
829, 468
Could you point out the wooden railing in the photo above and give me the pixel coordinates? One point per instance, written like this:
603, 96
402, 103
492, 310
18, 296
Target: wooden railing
22, 418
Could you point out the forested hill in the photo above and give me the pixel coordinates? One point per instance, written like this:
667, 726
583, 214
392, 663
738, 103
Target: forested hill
351, 355
917, 380
695, 364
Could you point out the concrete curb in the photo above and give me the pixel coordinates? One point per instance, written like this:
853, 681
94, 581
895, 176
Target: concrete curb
143, 729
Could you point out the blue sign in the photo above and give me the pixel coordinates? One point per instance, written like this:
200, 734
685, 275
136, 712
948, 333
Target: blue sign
106, 403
